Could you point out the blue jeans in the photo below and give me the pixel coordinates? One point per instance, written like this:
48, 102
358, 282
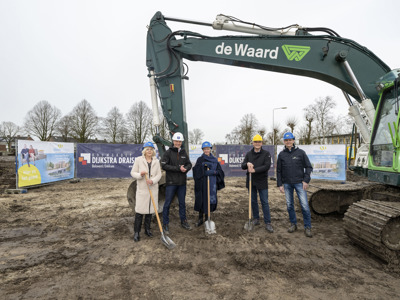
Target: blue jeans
170, 192
305, 208
264, 204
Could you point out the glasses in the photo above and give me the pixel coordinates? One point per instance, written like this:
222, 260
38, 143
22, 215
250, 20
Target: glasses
257, 142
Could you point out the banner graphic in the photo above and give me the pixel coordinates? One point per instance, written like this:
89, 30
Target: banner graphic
328, 161
106, 160
43, 162
195, 152
231, 157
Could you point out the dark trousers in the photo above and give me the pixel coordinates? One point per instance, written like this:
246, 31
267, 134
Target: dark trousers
170, 192
139, 220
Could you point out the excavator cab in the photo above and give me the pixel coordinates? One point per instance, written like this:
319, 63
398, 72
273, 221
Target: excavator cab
384, 158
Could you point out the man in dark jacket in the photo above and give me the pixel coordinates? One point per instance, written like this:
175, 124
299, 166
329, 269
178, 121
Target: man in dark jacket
293, 173
257, 163
176, 163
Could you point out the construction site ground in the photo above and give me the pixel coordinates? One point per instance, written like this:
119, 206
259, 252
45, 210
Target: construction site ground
74, 241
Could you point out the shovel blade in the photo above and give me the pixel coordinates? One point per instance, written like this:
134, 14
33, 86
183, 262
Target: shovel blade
210, 227
167, 241
249, 225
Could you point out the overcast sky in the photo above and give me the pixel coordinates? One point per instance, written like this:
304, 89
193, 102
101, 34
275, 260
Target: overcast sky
66, 51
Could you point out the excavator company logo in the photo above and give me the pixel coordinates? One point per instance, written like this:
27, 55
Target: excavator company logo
222, 159
193, 147
245, 50
294, 52
323, 148
84, 159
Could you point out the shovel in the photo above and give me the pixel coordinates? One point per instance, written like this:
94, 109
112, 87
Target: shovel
164, 238
209, 225
249, 225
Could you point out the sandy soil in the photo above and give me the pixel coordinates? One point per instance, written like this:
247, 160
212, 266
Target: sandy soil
74, 241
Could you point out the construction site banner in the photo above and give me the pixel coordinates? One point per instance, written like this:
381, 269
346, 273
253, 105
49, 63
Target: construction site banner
195, 152
106, 160
231, 157
43, 162
328, 161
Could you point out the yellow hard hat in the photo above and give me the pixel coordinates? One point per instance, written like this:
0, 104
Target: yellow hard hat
257, 138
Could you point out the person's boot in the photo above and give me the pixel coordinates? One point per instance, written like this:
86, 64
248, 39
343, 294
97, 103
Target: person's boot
307, 232
292, 228
166, 228
200, 221
147, 222
269, 228
185, 225
137, 227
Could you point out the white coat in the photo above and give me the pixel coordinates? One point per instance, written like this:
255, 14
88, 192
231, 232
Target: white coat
143, 200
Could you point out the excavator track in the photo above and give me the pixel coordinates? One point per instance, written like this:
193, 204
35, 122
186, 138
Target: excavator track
375, 226
326, 199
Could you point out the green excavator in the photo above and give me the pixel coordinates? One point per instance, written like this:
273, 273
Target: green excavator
372, 218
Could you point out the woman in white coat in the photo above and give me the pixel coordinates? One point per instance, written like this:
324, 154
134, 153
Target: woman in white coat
148, 166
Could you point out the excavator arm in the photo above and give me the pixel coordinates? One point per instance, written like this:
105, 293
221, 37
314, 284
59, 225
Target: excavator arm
330, 58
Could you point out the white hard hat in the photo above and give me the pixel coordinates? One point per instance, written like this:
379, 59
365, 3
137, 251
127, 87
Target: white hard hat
178, 137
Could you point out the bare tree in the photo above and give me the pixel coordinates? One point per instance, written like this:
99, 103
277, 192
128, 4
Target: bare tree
41, 120
63, 127
8, 132
308, 129
291, 122
195, 136
274, 137
263, 132
247, 128
343, 124
114, 125
84, 122
139, 119
233, 137
322, 113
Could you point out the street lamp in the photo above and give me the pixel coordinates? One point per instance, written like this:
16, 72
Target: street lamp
273, 124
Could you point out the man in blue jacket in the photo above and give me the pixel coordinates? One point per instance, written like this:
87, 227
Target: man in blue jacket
293, 173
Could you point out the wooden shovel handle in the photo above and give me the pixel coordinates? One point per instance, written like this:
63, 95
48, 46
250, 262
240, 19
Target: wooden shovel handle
250, 196
208, 195
154, 205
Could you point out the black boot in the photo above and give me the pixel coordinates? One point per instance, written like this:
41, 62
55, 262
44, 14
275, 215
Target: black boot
200, 221
137, 226
147, 222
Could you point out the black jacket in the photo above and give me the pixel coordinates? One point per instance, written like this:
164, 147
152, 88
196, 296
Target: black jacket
262, 162
293, 167
171, 162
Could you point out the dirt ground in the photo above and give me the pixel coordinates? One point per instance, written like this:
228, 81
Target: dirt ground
74, 241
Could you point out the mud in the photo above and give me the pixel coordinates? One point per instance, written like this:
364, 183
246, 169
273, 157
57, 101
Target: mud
74, 241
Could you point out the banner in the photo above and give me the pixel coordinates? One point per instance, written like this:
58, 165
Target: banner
353, 151
231, 157
106, 160
328, 161
195, 152
42, 162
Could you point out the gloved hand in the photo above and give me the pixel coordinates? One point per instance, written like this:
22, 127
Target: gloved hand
210, 173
